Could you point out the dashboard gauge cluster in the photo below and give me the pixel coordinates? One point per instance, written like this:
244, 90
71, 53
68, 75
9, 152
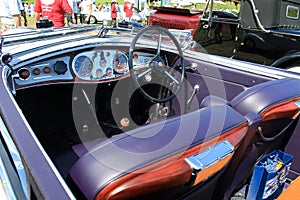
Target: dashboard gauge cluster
100, 64
50, 70
90, 65
141, 60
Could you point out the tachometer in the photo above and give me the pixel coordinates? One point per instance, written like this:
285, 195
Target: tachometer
120, 63
83, 66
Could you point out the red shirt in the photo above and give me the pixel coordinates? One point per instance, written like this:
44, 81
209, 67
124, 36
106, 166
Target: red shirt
128, 9
114, 11
53, 9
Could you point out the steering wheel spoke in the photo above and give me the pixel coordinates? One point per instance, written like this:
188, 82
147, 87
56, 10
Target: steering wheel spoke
172, 78
159, 41
144, 73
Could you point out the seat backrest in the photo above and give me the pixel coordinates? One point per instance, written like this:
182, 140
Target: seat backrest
276, 104
262, 96
275, 101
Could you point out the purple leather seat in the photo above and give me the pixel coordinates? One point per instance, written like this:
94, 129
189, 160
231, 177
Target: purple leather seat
259, 97
269, 135
103, 161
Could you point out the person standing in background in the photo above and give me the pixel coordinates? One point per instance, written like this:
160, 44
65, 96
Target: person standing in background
31, 10
53, 10
128, 10
113, 12
119, 14
99, 7
23, 12
10, 14
73, 5
86, 8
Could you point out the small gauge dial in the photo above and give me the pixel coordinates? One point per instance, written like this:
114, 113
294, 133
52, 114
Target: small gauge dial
120, 63
83, 66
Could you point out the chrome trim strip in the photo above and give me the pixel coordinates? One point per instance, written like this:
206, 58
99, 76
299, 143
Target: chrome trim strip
298, 104
8, 190
62, 46
232, 63
209, 156
15, 156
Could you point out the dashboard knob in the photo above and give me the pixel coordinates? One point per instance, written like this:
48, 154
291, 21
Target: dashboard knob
60, 67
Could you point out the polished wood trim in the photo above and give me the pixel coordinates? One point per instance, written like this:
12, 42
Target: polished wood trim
170, 172
287, 109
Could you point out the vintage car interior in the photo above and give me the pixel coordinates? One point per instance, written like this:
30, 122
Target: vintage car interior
123, 115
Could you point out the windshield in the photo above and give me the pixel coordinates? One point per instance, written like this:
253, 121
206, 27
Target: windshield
157, 39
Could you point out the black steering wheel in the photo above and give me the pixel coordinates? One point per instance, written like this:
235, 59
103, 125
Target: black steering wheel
157, 64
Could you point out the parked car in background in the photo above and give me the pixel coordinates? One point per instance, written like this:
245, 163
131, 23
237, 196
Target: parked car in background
265, 32
104, 15
100, 16
138, 16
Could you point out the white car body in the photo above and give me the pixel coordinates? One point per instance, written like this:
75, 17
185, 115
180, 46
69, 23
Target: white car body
104, 15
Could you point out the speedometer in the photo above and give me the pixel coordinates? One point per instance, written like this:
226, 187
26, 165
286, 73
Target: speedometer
83, 67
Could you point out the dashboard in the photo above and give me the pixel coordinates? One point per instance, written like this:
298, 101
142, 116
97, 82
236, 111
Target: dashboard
93, 65
102, 64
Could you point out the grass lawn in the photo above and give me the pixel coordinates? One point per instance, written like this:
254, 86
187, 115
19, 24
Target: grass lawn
30, 21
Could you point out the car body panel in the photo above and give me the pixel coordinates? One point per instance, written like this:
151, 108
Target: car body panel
52, 108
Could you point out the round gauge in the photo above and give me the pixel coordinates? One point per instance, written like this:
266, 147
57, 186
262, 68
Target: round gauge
24, 73
120, 63
83, 66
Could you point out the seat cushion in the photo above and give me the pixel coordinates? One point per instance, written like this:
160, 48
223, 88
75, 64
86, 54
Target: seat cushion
113, 158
